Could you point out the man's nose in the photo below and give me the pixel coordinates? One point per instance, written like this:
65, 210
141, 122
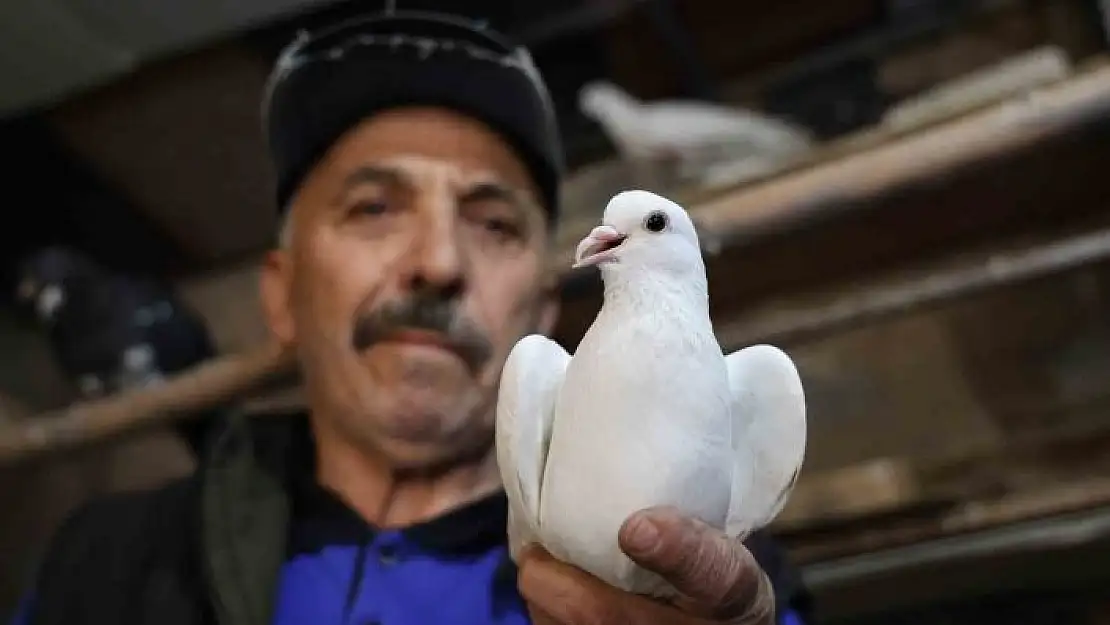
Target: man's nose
437, 259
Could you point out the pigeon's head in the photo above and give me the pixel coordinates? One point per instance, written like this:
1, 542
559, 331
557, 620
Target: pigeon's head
599, 100
641, 230
46, 277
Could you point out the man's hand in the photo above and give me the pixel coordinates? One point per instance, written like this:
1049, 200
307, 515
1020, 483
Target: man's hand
719, 578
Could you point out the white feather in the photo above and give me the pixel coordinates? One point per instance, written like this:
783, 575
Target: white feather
769, 434
530, 381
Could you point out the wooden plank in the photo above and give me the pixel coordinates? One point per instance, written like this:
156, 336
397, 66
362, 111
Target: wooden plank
816, 544
971, 493
209, 384
966, 274
876, 486
1051, 555
11, 409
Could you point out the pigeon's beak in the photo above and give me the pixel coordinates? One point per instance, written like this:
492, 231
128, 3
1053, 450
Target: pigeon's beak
598, 247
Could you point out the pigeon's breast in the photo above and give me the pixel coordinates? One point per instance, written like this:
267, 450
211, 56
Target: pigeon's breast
673, 382
642, 420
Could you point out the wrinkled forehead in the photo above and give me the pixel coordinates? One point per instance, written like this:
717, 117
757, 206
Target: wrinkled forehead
428, 173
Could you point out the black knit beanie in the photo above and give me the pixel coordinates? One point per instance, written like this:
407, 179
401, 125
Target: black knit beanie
325, 84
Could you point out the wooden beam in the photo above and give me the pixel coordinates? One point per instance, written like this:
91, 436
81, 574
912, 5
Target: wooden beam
819, 544
866, 488
964, 275
1073, 475
210, 384
1055, 551
11, 409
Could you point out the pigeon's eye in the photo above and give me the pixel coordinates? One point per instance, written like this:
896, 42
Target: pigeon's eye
656, 221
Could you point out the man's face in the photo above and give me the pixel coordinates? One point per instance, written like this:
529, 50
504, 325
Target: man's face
413, 261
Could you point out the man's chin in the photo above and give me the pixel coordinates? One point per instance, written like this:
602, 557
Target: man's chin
427, 425
418, 424
409, 452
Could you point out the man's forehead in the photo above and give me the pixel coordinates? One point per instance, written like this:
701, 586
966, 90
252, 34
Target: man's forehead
433, 142
425, 170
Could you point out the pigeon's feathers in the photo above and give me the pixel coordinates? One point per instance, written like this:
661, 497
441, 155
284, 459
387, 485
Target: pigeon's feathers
769, 424
705, 141
530, 382
113, 332
648, 411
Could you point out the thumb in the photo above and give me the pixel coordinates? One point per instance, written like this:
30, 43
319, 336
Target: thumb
713, 570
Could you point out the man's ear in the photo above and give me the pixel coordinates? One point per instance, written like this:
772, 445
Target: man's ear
275, 286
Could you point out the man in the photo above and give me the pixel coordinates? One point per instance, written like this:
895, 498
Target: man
418, 170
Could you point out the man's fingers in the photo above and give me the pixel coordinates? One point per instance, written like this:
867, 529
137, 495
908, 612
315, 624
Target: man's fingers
538, 617
560, 594
701, 562
564, 593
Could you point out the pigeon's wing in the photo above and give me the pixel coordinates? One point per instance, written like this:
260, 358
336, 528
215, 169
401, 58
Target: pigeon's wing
769, 434
530, 384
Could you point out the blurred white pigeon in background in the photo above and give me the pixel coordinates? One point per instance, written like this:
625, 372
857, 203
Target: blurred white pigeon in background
706, 142
648, 411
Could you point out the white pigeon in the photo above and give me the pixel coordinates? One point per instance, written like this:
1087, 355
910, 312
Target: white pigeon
703, 138
648, 411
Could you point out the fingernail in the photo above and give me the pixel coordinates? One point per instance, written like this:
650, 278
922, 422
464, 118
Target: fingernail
643, 535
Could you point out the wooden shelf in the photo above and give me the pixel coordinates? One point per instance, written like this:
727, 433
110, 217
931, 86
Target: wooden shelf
1053, 552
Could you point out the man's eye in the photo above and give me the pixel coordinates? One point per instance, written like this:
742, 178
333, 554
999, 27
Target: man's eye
503, 228
370, 208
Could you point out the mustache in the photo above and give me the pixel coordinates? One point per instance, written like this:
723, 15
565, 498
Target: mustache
427, 312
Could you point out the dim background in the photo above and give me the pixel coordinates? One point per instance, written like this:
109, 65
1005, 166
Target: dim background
941, 282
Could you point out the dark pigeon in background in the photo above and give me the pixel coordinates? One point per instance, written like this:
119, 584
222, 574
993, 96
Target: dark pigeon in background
112, 332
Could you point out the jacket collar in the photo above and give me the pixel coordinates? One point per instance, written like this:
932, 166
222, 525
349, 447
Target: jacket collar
245, 512
257, 475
